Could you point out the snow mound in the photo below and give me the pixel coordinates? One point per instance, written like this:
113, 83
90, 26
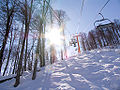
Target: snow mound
93, 70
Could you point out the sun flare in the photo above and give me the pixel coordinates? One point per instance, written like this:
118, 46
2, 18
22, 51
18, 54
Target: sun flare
54, 36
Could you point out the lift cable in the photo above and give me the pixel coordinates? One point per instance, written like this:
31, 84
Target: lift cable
55, 14
82, 7
104, 6
53, 11
81, 11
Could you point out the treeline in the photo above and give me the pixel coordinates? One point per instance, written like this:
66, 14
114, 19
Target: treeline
22, 36
103, 35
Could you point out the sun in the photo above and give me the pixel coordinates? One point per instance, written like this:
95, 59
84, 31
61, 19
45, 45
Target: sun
54, 36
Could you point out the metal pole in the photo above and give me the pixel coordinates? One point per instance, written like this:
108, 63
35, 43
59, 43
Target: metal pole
78, 45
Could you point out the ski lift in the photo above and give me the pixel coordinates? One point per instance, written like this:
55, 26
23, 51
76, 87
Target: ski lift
103, 19
74, 44
73, 41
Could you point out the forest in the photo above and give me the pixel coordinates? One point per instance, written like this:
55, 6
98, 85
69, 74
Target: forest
23, 42
22, 30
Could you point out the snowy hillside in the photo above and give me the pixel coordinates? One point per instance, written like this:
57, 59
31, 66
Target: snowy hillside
94, 70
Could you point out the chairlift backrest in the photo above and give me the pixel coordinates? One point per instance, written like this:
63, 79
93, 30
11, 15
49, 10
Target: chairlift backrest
101, 21
105, 25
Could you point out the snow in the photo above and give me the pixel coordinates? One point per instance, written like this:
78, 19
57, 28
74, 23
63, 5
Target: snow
91, 70
6, 77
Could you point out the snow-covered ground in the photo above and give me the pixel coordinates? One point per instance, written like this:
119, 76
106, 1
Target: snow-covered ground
94, 70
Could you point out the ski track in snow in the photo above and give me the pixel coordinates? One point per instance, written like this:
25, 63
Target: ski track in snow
94, 70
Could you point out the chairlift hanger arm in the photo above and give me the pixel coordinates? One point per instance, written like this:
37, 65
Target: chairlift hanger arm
101, 15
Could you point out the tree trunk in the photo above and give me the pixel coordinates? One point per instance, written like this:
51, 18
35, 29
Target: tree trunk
36, 60
27, 22
17, 82
27, 28
8, 25
25, 61
11, 46
17, 52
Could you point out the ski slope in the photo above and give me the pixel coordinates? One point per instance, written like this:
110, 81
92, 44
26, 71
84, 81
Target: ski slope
93, 70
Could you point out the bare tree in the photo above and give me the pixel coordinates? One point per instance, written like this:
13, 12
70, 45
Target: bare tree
10, 50
7, 8
27, 22
62, 18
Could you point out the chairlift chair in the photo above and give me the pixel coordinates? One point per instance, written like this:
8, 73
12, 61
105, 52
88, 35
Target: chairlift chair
73, 41
102, 20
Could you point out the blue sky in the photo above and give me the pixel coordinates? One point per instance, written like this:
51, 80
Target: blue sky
84, 23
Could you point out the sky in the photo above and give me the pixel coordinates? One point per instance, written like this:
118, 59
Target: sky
84, 23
